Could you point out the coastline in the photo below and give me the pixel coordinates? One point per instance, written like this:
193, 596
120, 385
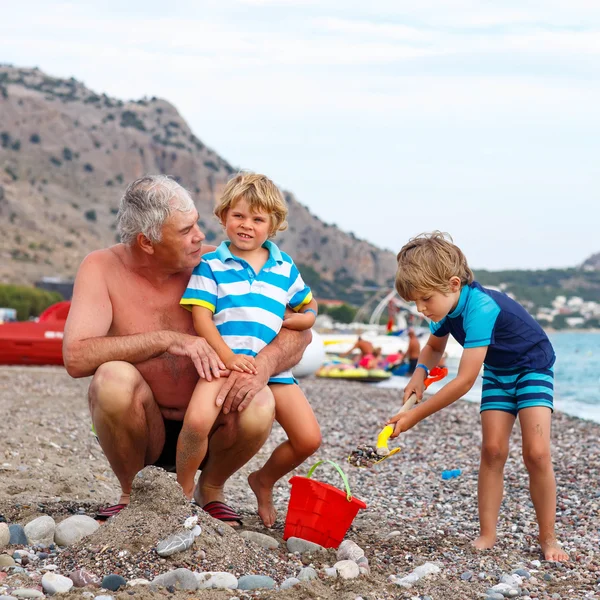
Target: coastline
52, 464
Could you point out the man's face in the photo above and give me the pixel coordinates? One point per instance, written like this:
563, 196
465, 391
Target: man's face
181, 245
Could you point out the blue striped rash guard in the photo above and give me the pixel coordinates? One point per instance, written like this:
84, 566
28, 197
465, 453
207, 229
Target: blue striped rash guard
490, 318
248, 307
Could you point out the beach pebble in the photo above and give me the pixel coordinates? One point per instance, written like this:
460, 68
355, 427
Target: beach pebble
216, 580
406, 581
74, 528
512, 580
289, 582
17, 535
113, 582
467, 576
27, 593
494, 596
175, 543
262, 540
255, 582
191, 522
4, 535
6, 561
536, 563
502, 588
301, 546
7, 597
103, 597
53, 583
426, 569
81, 578
349, 550
138, 581
347, 569
393, 534
306, 574
40, 530
331, 572
181, 579
524, 573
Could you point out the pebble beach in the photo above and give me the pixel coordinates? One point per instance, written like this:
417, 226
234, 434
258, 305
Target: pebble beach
411, 542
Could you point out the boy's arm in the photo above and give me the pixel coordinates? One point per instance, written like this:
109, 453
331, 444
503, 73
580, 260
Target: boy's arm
468, 370
206, 328
304, 319
430, 356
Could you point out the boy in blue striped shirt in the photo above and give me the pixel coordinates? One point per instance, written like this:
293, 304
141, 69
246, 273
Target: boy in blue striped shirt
497, 333
238, 296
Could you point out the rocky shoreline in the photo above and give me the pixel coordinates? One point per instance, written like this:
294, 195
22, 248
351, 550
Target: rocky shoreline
411, 542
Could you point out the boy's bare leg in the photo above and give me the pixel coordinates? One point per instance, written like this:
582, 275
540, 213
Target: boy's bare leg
496, 427
295, 415
535, 427
127, 420
192, 442
235, 439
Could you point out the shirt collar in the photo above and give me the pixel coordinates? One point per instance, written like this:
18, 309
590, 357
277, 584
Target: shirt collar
224, 253
462, 301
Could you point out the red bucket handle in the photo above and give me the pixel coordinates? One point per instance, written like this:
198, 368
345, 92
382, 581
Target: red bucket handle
339, 470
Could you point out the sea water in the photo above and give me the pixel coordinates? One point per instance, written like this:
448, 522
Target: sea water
577, 375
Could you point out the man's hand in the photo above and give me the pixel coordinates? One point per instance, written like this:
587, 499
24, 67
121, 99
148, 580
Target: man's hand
403, 421
205, 359
416, 385
240, 388
242, 364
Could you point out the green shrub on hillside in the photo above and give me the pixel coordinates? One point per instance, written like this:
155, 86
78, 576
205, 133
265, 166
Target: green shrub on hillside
28, 301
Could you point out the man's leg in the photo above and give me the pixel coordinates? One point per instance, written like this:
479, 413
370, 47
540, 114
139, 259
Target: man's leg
236, 438
127, 420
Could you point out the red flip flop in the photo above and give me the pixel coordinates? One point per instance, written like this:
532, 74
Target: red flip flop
222, 512
109, 511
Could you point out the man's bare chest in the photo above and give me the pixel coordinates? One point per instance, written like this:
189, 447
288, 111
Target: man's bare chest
142, 308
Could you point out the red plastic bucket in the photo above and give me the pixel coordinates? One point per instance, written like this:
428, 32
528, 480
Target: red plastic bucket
319, 512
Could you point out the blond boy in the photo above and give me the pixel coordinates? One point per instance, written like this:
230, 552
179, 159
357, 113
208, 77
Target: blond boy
238, 296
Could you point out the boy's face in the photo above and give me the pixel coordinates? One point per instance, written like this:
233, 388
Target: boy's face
435, 305
247, 230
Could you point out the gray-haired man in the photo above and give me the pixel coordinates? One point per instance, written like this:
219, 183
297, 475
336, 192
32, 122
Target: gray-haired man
126, 328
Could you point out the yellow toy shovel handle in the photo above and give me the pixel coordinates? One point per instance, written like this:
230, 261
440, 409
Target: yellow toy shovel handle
386, 432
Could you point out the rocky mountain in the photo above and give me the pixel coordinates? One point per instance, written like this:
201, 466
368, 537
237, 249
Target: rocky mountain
592, 263
67, 152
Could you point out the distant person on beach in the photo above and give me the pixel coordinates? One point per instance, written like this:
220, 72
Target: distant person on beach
363, 346
413, 351
126, 328
497, 333
238, 296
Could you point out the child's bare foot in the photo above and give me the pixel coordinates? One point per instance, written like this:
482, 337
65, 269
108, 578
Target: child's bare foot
552, 550
484, 542
264, 497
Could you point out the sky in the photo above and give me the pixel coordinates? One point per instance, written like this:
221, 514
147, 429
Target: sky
387, 118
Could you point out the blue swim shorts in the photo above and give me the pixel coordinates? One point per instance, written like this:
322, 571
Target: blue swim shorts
511, 391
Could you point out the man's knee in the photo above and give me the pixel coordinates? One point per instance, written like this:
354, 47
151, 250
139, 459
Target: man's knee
113, 388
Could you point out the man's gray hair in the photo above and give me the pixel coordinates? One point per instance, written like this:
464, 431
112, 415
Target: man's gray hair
147, 203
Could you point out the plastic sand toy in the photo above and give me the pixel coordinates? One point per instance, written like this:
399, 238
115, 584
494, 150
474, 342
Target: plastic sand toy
366, 456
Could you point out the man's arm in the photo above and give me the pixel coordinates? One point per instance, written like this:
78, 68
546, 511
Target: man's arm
283, 353
86, 345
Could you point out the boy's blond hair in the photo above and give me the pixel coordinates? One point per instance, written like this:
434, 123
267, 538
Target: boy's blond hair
260, 193
427, 263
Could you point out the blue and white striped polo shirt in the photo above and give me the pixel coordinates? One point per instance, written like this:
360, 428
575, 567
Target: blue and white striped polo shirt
248, 307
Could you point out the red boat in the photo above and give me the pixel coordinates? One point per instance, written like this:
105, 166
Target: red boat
35, 342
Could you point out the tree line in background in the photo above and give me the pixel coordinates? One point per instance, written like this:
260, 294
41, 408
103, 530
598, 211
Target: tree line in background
28, 301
